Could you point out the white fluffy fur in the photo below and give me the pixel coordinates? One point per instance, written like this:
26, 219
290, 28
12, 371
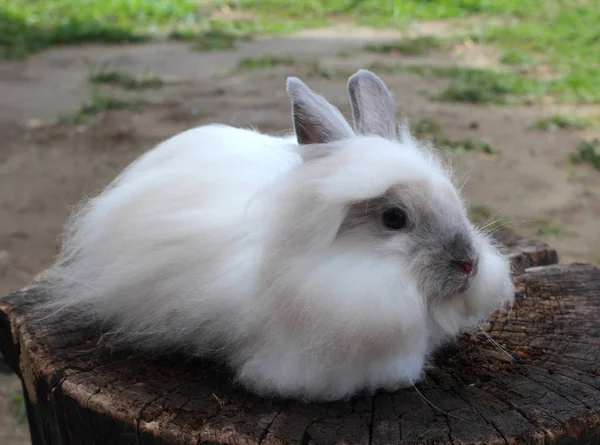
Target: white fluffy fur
224, 240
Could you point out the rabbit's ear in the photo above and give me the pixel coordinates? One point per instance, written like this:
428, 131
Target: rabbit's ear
316, 121
372, 105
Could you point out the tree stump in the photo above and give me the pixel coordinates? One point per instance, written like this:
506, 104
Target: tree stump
537, 382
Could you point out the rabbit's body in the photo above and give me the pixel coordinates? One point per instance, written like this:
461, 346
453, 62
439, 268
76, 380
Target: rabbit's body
273, 252
175, 236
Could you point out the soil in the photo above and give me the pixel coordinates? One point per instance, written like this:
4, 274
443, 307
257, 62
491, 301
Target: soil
46, 168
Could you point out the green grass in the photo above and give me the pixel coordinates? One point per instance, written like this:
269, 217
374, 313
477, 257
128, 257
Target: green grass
565, 36
27, 26
398, 68
428, 129
483, 216
478, 213
17, 402
472, 85
548, 229
214, 39
265, 62
320, 71
559, 34
409, 47
30, 26
393, 13
588, 151
125, 80
344, 54
314, 69
482, 86
560, 121
98, 104
516, 58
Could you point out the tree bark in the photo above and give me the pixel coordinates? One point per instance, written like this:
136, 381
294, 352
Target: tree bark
523, 252
536, 382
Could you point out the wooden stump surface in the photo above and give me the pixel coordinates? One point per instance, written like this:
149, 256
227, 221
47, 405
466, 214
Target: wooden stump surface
524, 253
539, 384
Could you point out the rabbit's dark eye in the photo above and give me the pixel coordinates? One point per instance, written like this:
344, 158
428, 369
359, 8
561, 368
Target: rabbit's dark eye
395, 219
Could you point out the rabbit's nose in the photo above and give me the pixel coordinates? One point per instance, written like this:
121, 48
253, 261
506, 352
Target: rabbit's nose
464, 265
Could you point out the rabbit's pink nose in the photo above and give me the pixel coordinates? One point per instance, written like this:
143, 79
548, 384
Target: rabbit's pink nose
466, 266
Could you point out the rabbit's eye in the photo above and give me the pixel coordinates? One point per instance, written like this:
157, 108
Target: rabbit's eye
394, 219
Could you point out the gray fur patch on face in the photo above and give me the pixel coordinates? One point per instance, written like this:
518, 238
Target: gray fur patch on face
437, 239
366, 217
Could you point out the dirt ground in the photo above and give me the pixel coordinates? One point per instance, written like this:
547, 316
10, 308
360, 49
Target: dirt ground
46, 168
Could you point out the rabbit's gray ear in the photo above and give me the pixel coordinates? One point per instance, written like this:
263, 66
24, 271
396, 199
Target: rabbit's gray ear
373, 106
316, 121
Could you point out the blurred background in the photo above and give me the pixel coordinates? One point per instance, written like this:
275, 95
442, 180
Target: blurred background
509, 89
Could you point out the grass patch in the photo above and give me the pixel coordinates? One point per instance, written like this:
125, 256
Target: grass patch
588, 151
481, 86
563, 35
317, 70
479, 212
563, 122
548, 229
125, 80
472, 85
27, 26
314, 68
483, 217
344, 54
409, 47
559, 34
428, 129
30, 26
17, 405
383, 68
185, 35
99, 103
215, 40
265, 62
516, 58
214, 35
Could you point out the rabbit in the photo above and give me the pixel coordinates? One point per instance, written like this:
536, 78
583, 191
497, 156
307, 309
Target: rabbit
318, 265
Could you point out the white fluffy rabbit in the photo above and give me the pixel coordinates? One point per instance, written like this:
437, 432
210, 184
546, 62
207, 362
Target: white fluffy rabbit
316, 266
